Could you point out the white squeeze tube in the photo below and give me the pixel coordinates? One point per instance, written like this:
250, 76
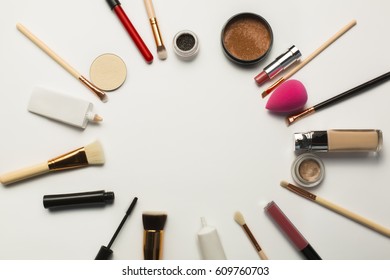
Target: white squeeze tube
209, 242
62, 108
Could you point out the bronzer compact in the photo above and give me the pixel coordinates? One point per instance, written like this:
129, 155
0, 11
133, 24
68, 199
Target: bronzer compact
246, 38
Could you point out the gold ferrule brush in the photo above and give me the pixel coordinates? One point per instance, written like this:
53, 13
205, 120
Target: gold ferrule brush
91, 154
73, 159
153, 244
161, 51
97, 91
272, 87
40, 44
153, 223
293, 118
156, 32
336, 208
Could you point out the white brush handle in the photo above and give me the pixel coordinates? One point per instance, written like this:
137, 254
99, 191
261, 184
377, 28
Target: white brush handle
24, 173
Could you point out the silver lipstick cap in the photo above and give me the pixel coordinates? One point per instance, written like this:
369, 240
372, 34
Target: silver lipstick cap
283, 61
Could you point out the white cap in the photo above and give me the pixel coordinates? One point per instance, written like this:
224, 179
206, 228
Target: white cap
209, 242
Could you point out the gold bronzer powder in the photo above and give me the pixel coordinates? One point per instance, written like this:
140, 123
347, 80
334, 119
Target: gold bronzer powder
247, 38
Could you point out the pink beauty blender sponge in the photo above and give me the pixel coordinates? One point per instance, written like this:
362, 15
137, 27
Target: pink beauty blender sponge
290, 96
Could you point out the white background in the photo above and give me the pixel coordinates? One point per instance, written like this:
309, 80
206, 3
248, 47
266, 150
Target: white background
191, 138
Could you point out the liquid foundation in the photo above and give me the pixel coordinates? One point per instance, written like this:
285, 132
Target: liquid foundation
339, 140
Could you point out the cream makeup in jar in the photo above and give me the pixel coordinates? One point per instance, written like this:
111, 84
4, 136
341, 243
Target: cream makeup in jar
339, 140
308, 170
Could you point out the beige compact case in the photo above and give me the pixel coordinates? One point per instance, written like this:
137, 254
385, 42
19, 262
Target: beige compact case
339, 140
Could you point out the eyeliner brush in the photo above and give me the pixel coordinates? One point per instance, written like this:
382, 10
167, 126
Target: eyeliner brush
338, 98
105, 252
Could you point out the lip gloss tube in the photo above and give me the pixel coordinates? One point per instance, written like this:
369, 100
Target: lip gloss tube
281, 63
115, 5
273, 210
339, 140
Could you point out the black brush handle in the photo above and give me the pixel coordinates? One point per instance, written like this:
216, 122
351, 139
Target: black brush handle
352, 92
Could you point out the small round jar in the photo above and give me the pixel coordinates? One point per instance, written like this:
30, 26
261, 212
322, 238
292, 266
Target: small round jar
247, 38
308, 170
186, 44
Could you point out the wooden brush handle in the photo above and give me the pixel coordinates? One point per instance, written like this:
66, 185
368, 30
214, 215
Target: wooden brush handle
48, 51
24, 173
330, 41
149, 8
355, 217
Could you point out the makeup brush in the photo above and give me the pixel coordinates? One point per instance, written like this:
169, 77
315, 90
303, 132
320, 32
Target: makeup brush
91, 154
161, 51
239, 218
153, 223
105, 252
335, 208
342, 96
309, 58
98, 92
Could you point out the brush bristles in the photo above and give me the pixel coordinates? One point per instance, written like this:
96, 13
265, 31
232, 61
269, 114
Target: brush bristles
284, 184
162, 52
94, 153
239, 218
154, 220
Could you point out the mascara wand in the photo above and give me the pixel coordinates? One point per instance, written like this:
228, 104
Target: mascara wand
105, 252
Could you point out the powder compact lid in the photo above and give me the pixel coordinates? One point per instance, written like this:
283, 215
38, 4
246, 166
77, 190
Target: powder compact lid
247, 38
308, 170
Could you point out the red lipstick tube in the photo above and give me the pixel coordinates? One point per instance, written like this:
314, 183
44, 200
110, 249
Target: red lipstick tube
115, 5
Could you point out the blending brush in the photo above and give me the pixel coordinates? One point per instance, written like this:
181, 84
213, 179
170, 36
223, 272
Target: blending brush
335, 208
161, 51
105, 252
91, 154
239, 218
154, 223
98, 92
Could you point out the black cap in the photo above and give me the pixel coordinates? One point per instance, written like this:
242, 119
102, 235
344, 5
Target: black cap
82, 198
113, 3
104, 253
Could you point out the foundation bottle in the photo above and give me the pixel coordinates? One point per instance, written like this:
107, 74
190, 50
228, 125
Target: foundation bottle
339, 140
